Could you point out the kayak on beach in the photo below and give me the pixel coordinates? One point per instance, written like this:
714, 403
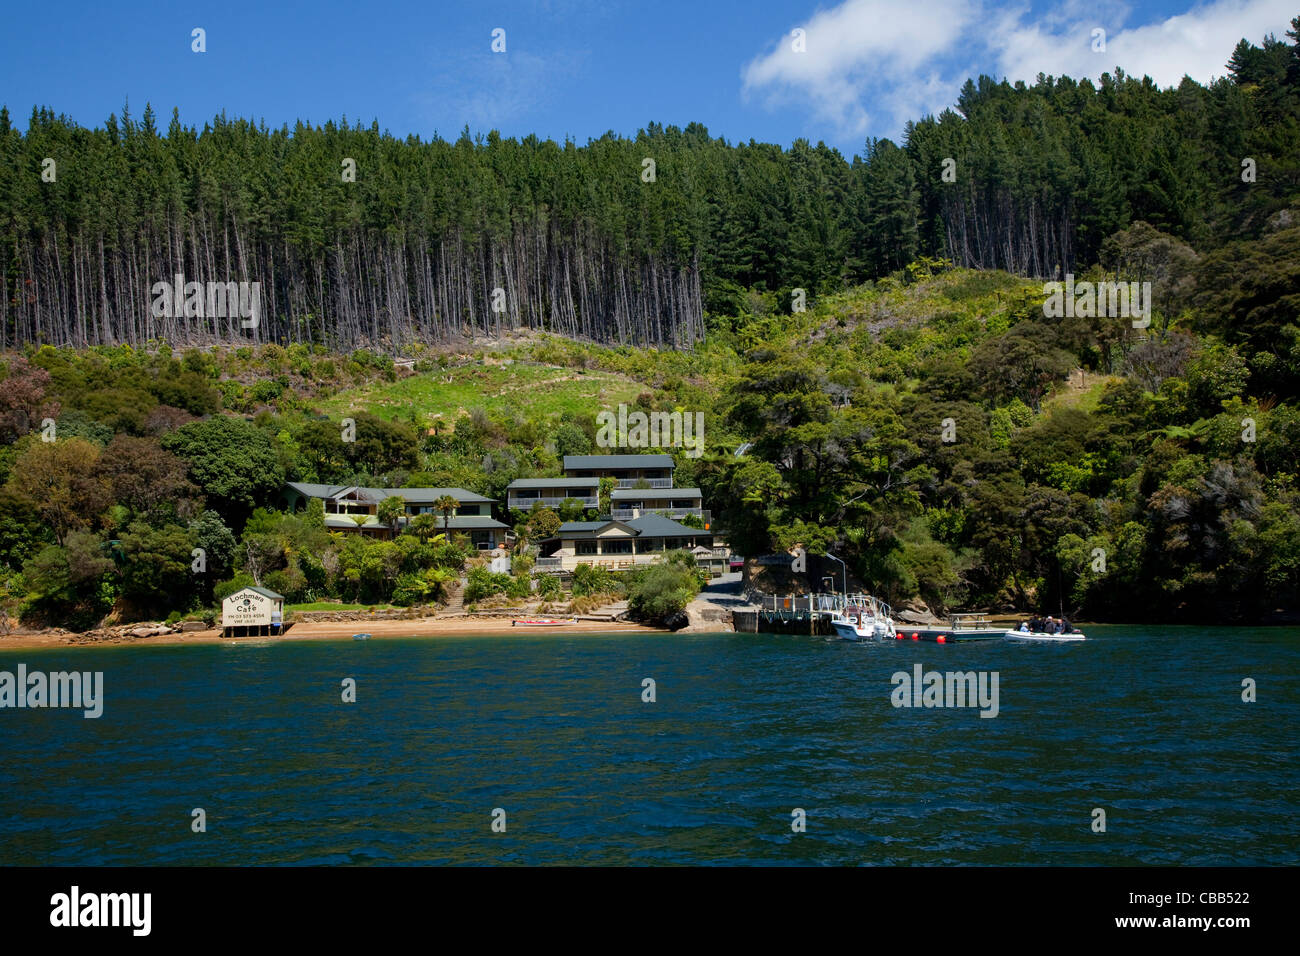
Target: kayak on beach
541, 622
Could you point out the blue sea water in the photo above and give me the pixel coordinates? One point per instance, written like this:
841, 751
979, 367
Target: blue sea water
1147, 724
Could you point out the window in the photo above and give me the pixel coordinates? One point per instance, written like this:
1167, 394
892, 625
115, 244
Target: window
585, 547
617, 547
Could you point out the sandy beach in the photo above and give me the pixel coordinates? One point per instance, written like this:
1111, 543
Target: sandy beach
328, 630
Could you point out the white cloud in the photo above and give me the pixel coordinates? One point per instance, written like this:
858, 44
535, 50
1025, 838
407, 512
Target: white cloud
1196, 44
849, 48
871, 65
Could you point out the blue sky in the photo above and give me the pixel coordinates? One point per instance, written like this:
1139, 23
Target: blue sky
574, 68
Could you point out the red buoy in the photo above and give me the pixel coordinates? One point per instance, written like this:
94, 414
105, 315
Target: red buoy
916, 637
941, 639
898, 636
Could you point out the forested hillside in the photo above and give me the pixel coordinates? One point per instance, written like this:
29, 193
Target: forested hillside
591, 240
925, 417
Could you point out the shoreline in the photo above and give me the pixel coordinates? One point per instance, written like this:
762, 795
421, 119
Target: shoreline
429, 627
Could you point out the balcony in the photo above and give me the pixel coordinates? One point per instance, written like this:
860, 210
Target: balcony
549, 564
526, 504
650, 482
624, 514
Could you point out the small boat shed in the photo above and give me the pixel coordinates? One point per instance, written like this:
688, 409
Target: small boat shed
252, 612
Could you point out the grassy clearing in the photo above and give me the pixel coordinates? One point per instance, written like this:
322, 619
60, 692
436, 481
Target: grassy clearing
513, 387
1082, 390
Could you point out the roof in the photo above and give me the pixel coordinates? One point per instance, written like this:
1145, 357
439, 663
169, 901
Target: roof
379, 494
657, 526
471, 521
577, 527
622, 494
265, 592
647, 526
462, 522
519, 483
316, 491
618, 461
433, 494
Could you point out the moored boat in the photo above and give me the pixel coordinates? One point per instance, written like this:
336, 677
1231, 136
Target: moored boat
541, 622
863, 619
1038, 637
360, 637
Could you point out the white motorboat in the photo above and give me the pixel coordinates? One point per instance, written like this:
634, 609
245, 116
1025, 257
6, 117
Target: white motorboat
863, 619
1038, 637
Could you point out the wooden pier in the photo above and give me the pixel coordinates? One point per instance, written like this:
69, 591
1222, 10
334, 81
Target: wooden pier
798, 613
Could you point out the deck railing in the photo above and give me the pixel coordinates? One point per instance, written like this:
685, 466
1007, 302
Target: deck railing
525, 504
971, 621
623, 514
817, 603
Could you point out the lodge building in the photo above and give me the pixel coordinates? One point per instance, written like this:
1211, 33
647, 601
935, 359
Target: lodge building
620, 545
643, 485
644, 518
355, 508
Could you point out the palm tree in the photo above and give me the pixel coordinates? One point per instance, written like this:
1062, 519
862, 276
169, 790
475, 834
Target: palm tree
523, 535
391, 510
425, 525
446, 504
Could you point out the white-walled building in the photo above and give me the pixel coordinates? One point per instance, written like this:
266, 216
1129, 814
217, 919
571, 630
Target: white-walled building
252, 611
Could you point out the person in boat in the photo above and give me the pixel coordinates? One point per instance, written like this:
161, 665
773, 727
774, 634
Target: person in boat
1024, 627
1035, 624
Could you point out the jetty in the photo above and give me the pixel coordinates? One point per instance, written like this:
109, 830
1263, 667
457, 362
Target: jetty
802, 613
